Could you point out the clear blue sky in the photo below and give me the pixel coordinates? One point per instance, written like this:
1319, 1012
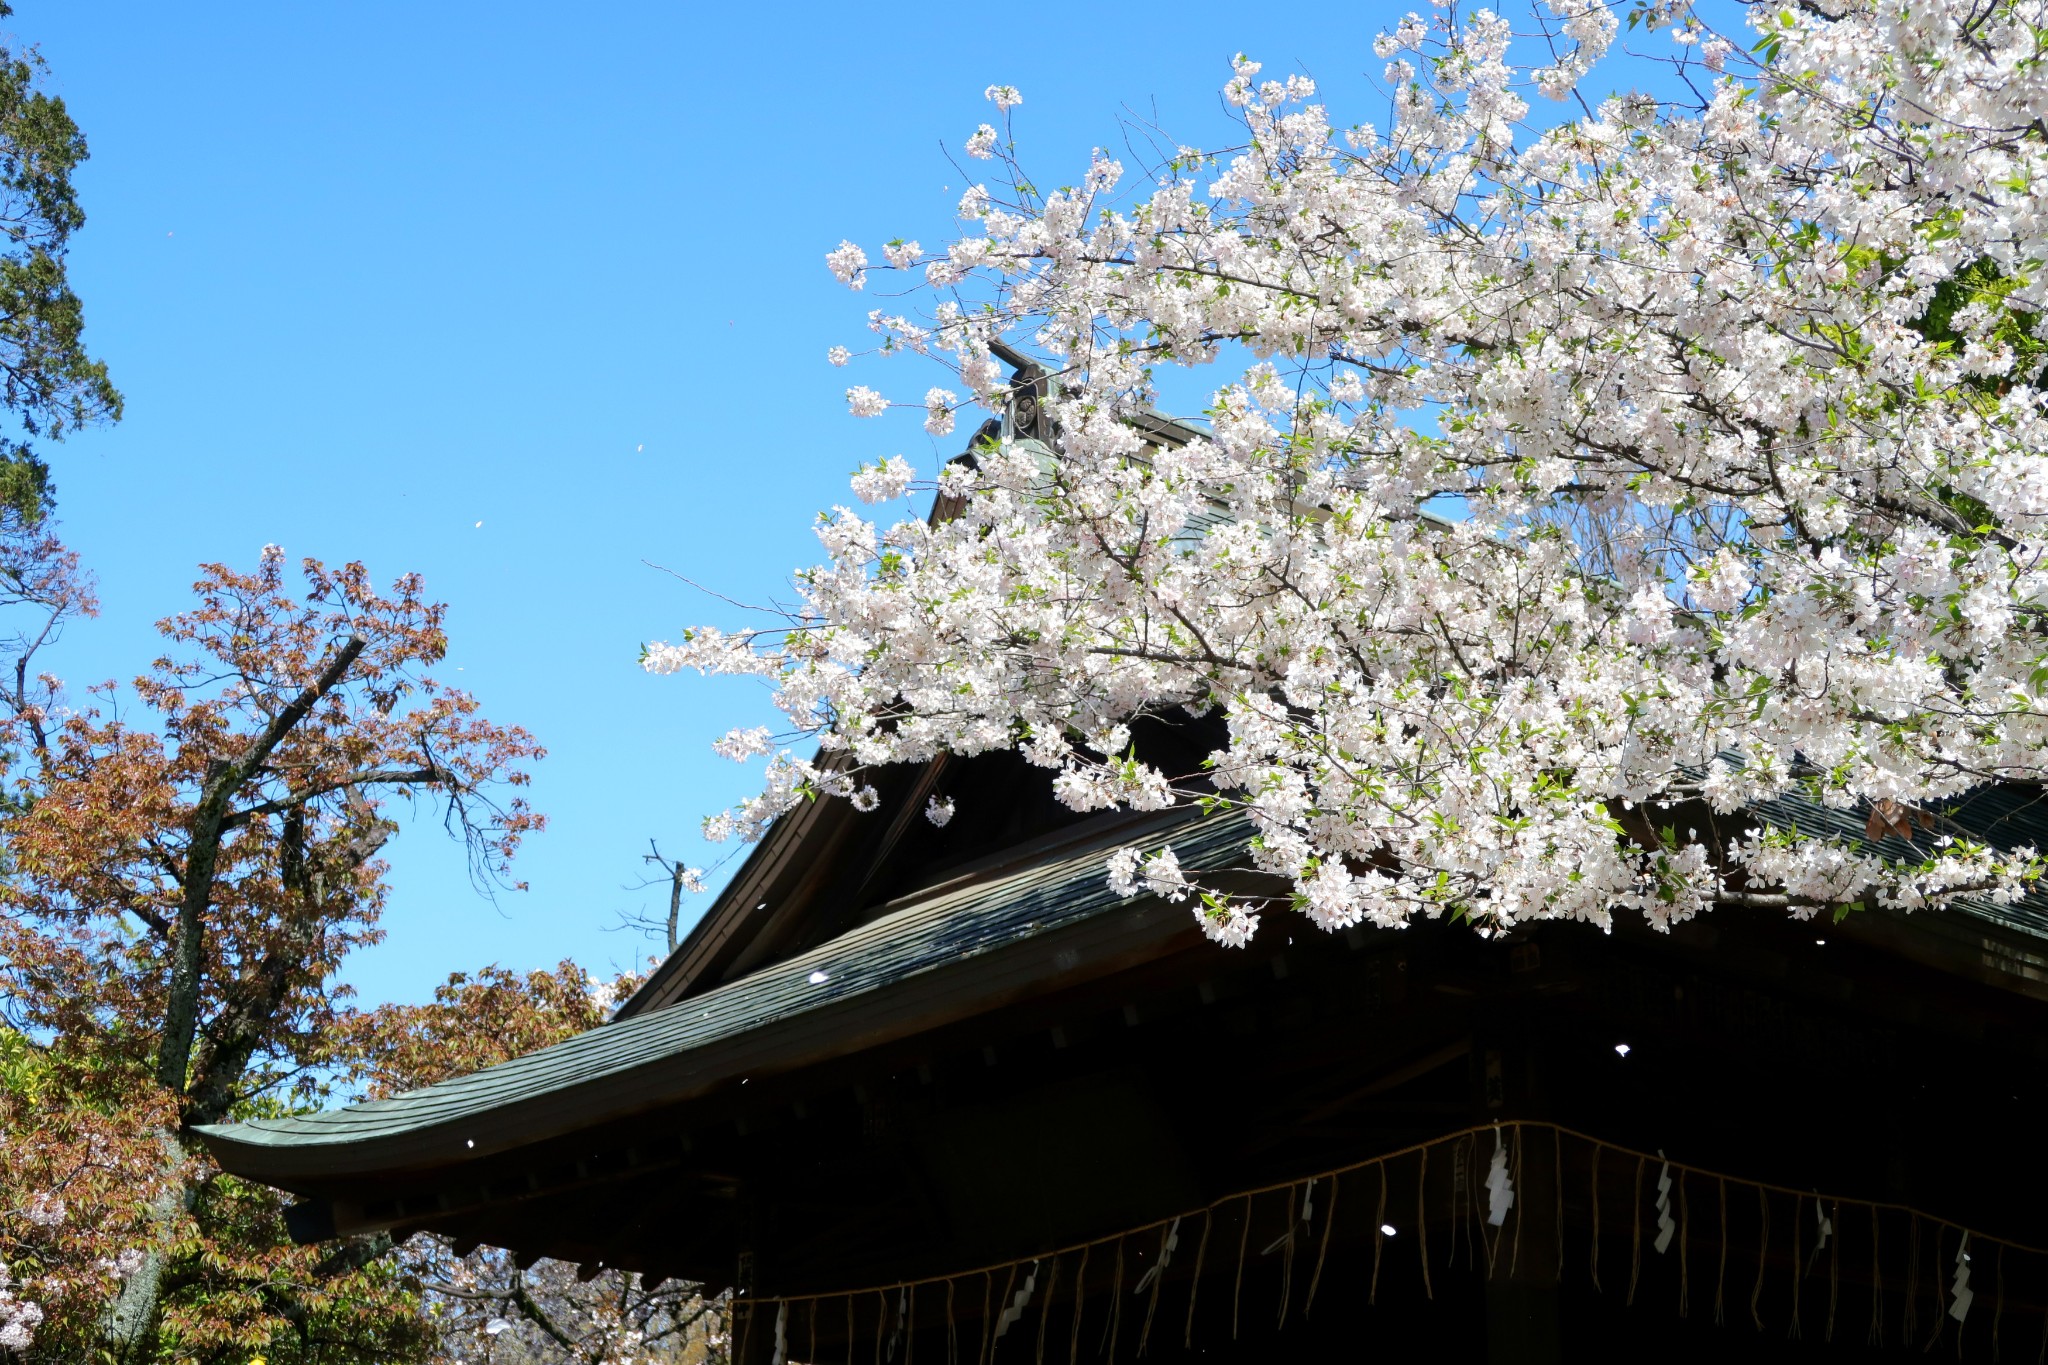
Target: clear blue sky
370, 274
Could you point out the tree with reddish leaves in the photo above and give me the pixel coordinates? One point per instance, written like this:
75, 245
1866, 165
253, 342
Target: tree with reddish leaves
189, 860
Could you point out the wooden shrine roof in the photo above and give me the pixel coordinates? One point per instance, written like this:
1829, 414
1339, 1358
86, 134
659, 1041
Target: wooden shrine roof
665, 1054
810, 1001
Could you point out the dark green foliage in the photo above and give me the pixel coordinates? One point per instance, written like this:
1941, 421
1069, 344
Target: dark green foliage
48, 384
1981, 282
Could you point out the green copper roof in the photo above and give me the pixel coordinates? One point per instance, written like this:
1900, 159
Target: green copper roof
2004, 816
927, 936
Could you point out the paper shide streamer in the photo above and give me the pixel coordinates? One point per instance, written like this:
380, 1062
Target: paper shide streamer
1166, 1250
1960, 1294
1153, 1278
1500, 1190
1666, 1224
1015, 1308
1308, 1209
1824, 1228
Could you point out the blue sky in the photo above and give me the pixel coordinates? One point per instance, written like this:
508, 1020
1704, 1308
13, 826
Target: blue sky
371, 274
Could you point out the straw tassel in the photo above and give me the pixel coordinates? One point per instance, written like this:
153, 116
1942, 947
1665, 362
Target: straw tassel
1684, 1233
988, 1316
1479, 1211
1912, 1314
811, 1316
1834, 1274
1763, 1250
2041, 1355
1635, 1252
1798, 1206
1876, 1334
1940, 1317
1482, 1219
1195, 1286
1475, 1208
1052, 1284
1515, 1246
1998, 1306
1116, 1301
1286, 1261
1422, 1221
952, 1327
1594, 1257
1461, 1184
1157, 1274
881, 1322
1557, 1184
1323, 1251
1721, 1271
1244, 1238
1080, 1304
849, 1329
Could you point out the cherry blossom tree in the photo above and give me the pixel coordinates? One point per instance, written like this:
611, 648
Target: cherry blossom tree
488, 1311
1581, 472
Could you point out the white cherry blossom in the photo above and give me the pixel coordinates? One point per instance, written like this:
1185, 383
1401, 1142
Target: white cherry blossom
939, 410
19, 1316
881, 483
1567, 489
848, 264
740, 745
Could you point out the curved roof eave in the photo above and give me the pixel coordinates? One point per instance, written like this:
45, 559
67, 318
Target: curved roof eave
820, 1002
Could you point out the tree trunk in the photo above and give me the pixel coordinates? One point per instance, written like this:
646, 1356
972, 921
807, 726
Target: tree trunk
128, 1328
181, 1004
129, 1325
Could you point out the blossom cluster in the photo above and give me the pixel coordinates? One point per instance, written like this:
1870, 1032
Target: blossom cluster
1572, 490
489, 1311
19, 1317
